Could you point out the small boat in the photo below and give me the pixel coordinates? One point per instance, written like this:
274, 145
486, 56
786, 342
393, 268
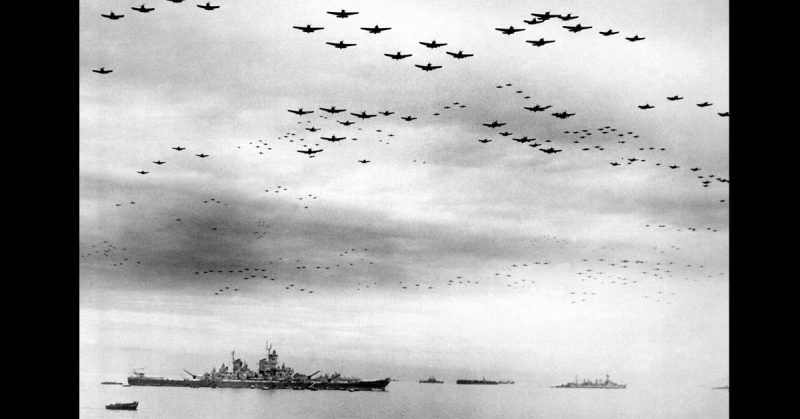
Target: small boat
123, 406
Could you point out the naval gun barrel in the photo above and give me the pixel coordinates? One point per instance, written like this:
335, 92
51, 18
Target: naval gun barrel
193, 375
313, 374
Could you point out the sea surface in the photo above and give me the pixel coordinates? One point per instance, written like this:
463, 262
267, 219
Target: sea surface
409, 399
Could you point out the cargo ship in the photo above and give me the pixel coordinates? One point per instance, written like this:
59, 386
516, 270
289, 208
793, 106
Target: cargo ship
269, 376
607, 384
482, 381
431, 380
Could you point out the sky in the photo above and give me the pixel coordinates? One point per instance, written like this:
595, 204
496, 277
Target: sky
575, 266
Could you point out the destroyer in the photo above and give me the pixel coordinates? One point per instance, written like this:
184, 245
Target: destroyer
607, 384
431, 380
269, 376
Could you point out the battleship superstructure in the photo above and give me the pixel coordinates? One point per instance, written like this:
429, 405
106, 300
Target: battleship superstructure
431, 380
607, 384
268, 376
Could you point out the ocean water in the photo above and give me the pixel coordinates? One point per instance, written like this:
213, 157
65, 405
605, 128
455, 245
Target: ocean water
408, 399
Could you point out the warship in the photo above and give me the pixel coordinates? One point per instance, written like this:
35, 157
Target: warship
431, 380
482, 381
721, 388
268, 376
607, 384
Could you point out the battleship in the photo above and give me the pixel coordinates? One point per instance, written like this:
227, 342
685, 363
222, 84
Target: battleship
482, 381
269, 376
607, 384
431, 380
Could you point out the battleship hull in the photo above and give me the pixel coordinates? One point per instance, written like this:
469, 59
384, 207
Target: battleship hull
607, 387
352, 385
476, 382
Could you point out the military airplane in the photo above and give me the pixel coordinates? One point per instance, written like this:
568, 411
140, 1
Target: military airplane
494, 124
614, 164
343, 14
112, 16
704, 104
508, 31
208, 6
694, 169
142, 172
309, 151
143, 9
201, 155
102, 70
397, 56
538, 108
674, 98
505, 134
432, 44
540, 42
308, 28
346, 123
362, 115
313, 129
550, 150
563, 115
340, 45
459, 55
332, 110
159, 162
485, 141
609, 32
568, 17
646, 106
533, 21
576, 28
427, 67
723, 113
544, 16
674, 167
408, 118
386, 113
363, 161
333, 138
524, 139
376, 29
299, 111
634, 38
179, 148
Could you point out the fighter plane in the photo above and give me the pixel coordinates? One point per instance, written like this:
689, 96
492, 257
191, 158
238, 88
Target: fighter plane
534, 145
540, 42
112, 16
159, 162
568, 17
385, 113
563, 115
143, 9
299, 111
485, 141
201, 155
674, 167
494, 124
533, 21
309, 151
614, 164
308, 28
179, 148
208, 6
332, 110
142, 172
646, 106
427, 67
674, 98
397, 56
376, 29
635, 38
524, 139
505, 134
346, 123
408, 118
544, 16
102, 70
340, 45
508, 31
723, 113
550, 150
313, 129
432, 44
362, 115
576, 28
343, 14
537, 108
333, 138
363, 161
694, 169
704, 104
176, 1
608, 32
459, 55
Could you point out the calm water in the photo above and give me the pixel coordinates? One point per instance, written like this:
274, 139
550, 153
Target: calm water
406, 399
